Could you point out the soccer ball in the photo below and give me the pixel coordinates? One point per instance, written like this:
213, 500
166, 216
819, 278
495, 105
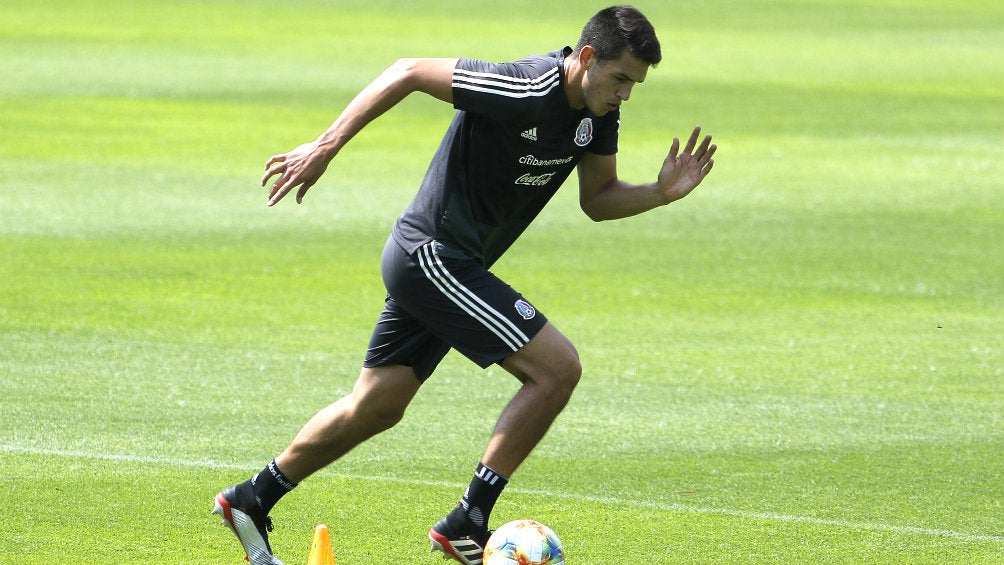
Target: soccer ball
524, 542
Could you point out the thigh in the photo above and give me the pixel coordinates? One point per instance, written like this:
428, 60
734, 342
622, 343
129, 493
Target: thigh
385, 390
462, 304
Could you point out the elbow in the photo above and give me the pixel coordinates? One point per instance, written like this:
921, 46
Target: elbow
597, 198
411, 74
404, 69
595, 213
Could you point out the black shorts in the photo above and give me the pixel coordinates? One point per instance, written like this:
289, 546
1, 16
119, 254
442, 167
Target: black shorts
435, 303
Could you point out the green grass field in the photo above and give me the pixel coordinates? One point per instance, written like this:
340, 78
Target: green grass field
803, 362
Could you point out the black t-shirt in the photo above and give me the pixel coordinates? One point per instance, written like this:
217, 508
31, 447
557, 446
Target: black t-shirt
511, 145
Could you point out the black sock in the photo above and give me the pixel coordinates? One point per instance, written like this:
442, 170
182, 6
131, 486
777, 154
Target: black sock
484, 490
269, 486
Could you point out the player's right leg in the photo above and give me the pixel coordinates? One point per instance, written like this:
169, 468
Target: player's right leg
376, 403
237, 508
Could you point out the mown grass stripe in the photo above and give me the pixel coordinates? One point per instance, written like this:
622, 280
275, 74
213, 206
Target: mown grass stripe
610, 500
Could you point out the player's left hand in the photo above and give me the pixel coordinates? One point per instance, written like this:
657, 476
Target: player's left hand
682, 172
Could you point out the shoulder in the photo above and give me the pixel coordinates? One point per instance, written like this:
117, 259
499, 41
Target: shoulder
533, 76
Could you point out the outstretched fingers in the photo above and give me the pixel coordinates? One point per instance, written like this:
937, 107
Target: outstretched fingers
692, 142
705, 156
674, 149
702, 153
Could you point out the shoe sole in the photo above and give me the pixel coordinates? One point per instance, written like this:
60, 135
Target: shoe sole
255, 549
465, 551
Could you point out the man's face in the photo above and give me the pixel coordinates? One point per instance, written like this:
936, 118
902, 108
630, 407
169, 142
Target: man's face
607, 85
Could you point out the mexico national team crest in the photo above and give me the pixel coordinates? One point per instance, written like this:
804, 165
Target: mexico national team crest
524, 309
584, 134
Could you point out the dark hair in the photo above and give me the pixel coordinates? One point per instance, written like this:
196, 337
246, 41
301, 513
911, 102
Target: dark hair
617, 28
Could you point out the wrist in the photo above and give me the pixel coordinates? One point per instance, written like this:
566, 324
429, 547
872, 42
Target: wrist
661, 195
327, 146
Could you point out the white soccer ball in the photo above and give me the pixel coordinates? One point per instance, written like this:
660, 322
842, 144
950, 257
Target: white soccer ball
524, 542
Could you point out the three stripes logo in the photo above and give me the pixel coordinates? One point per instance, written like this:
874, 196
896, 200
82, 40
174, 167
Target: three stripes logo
487, 475
505, 329
530, 134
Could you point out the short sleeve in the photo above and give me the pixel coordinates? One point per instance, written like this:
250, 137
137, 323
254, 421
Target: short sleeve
606, 135
503, 91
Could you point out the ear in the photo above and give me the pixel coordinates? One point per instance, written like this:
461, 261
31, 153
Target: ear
587, 56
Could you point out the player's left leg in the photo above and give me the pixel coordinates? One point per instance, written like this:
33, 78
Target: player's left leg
548, 366
456, 300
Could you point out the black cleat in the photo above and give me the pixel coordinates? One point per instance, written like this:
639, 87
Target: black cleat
240, 512
459, 539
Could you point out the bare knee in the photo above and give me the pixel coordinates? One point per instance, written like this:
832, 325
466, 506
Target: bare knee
563, 377
549, 361
380, 397
556, 379
377, 416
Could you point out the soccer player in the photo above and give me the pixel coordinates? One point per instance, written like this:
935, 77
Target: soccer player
520, 130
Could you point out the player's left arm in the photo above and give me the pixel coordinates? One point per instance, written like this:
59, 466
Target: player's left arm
603, 196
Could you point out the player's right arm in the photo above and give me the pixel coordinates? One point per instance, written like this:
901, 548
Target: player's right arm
304, 165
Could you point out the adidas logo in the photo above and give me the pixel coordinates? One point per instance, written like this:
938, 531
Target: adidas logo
530, 134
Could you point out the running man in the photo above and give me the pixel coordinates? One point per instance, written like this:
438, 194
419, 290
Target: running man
520, 130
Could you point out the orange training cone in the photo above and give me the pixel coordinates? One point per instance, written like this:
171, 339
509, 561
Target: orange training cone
320, 550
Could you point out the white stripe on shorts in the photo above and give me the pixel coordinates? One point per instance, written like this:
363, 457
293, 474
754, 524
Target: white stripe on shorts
468, 301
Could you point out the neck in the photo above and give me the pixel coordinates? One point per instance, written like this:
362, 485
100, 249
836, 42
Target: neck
574, 73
